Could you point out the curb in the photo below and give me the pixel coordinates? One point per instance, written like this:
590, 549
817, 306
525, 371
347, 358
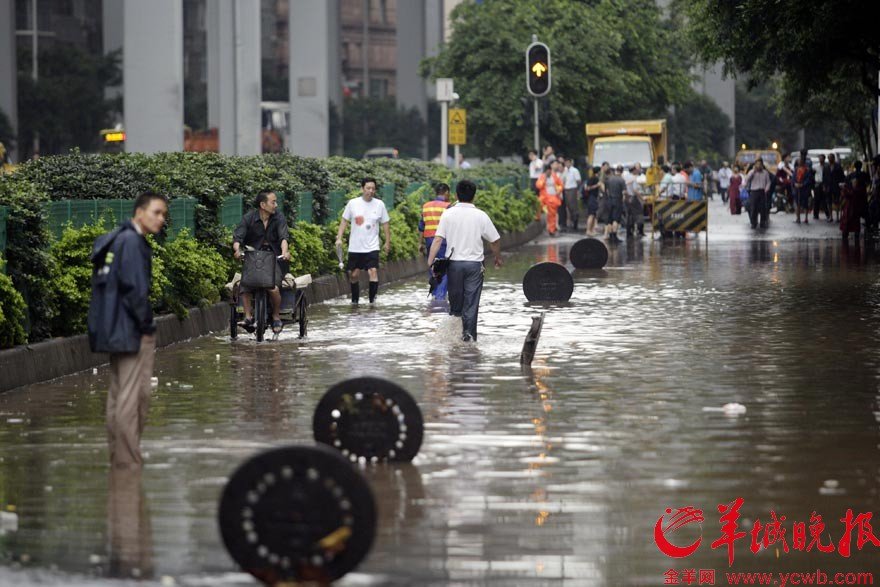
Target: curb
42, 361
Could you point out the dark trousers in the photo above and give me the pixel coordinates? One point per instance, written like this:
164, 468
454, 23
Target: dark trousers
465, 288
822, 202
758, 207
570, 204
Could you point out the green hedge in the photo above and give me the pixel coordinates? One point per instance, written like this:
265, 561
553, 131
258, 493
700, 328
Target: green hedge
12, 312
53, 277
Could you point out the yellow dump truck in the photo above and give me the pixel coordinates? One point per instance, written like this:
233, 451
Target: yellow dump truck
626, 142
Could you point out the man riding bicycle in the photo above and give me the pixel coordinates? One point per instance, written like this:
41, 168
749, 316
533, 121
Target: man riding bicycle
263, 229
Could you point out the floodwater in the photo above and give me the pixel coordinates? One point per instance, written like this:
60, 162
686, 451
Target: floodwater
555, 476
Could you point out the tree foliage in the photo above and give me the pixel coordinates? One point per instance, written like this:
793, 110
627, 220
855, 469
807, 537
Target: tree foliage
699, 129
611, 59
375, 122
823, 57
809, 40
66, 105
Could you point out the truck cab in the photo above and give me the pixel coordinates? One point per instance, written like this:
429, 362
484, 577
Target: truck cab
626, 142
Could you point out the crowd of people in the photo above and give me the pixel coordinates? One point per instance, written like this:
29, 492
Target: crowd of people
616, 197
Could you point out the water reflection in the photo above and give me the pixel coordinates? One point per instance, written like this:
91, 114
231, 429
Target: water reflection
525, 477
128, 526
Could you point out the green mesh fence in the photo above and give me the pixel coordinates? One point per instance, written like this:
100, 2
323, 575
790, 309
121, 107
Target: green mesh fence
414, 186
335, 204
182, 215
387, 195
231, 211
79, 213
305, 207
4, 214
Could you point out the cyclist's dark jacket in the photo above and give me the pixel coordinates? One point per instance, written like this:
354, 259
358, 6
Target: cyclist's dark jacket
250, 231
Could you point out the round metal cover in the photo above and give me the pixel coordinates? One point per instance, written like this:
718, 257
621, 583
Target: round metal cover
588, 253
369, 418
548, 282
297, 513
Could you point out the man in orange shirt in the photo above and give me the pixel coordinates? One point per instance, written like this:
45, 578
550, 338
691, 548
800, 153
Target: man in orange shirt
431, 213
550, 188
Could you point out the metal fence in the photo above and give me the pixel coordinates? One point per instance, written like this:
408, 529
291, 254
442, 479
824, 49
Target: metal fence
78, 213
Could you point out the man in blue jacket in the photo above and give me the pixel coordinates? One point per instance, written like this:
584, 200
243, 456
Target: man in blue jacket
121, 323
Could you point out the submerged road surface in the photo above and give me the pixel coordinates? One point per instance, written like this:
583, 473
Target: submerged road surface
553, 476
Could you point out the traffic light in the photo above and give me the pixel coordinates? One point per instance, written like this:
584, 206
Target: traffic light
538, 69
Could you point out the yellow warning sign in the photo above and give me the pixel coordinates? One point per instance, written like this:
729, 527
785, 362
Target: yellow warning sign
457, 126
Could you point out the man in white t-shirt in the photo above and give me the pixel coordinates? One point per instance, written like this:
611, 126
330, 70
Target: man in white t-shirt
536, 168
571, 180
464, 227
365, 214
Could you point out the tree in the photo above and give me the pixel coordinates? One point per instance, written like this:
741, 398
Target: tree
824, 56
699, 129
66, 105
7, 137
375, 122
611, 59
844, 99
802, 39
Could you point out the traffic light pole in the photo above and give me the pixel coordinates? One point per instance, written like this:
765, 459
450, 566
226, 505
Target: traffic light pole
444, 133
537, 131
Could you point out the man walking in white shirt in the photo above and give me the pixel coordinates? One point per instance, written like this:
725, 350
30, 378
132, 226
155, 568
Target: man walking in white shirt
572, 182
464, 227
536, 168
365, 215
724, 175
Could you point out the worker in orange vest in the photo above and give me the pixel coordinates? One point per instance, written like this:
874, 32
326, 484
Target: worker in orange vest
550, 188
431, 212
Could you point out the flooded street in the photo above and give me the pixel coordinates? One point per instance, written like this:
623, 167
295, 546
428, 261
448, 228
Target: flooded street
556, 475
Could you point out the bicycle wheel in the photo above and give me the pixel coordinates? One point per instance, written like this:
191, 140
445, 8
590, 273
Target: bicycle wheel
260, 313
233, 321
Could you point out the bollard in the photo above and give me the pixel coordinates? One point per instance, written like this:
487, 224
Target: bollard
531, 342
297, 513
548, 282
369, 419
588, 253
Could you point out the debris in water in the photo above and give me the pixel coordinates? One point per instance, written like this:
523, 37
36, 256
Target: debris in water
730, 409
8, 522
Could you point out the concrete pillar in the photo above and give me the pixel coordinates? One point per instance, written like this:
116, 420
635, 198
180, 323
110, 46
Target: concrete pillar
8, 68
334, 70
234, 72
309, 64
410, 52
212, 34
153, 74
113, 29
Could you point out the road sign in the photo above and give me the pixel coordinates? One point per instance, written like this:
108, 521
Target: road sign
445, 89
457, 126
538, 69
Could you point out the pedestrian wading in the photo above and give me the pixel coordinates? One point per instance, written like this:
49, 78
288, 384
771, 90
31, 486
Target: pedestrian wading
120, 322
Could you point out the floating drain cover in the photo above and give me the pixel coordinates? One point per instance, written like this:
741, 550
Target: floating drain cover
548, 282
588, 253
369, 418
297, 513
